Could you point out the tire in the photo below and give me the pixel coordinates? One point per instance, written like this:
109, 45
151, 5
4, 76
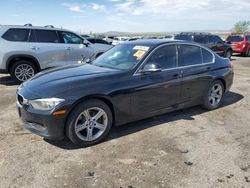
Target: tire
248, 53
208, 102
28, 67
229, 54
83, 129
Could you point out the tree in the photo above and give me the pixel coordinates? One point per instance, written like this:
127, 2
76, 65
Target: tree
241, 27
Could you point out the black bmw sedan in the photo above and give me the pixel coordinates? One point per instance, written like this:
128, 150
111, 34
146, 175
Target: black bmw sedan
132, 81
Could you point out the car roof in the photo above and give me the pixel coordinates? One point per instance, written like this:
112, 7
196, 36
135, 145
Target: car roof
31, 27
155, 42
239, 34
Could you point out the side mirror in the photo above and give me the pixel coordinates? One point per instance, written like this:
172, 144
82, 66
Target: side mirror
151, 67
86, 43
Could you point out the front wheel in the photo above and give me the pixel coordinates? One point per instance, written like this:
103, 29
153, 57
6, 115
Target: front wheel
214, 95
89, 123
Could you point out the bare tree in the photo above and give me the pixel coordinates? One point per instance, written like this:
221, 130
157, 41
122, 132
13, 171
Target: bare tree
241, 27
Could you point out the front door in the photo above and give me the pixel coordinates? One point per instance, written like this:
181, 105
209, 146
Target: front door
160, 90
74, 47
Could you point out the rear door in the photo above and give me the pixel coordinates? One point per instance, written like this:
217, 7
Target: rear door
195, 63
47, 47
157, 91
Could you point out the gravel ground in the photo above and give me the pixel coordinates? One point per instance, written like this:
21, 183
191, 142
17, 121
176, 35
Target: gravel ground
188, 148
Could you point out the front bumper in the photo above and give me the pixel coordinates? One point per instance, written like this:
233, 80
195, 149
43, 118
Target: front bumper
42, 124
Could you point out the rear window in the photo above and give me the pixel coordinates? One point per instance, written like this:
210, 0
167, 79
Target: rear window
17, 35
207, 56
201, 39
184, 37
47, 36
235, 38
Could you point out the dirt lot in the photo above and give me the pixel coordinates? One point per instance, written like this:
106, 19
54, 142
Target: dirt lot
188, 148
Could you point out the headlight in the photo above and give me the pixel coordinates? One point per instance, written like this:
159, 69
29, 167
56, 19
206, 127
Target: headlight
45, 104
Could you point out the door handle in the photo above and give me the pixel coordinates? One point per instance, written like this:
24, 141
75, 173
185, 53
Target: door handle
34, 48
68, 48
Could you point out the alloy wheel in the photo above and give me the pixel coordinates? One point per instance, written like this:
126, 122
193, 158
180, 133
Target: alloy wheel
215, 95
91, 124
23, 72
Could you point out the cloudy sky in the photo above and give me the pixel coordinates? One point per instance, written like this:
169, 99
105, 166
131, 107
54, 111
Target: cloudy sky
127, 15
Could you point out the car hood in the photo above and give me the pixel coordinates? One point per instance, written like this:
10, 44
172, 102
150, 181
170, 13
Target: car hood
58, 80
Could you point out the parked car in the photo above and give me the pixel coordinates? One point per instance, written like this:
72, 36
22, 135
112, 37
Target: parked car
26, 50
97, 41
109, 39
214, 42
119, 40
169, 37
86, 36
132, 81
240, 43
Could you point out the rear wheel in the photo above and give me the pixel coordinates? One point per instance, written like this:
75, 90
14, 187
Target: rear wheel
89, 123
214, 95
248, 53
22, 70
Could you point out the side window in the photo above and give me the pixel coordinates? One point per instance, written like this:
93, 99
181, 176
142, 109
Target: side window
190, 55
201, 39
248, 38
207, 56
70, 38
211, 39
103, 42
165, 57
47, 36
217, 39
17, 35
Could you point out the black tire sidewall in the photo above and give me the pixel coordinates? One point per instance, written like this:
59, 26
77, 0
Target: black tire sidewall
70, 124
206, 104
16, 64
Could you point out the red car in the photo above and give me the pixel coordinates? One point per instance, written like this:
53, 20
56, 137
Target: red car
240, 43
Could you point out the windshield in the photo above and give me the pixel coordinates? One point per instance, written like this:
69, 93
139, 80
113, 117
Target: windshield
122, 57
235, 38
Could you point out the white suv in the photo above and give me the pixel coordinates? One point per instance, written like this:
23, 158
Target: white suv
26, 50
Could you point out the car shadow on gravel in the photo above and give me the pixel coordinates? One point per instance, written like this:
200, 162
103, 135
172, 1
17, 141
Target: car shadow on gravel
187, 114
7, 81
